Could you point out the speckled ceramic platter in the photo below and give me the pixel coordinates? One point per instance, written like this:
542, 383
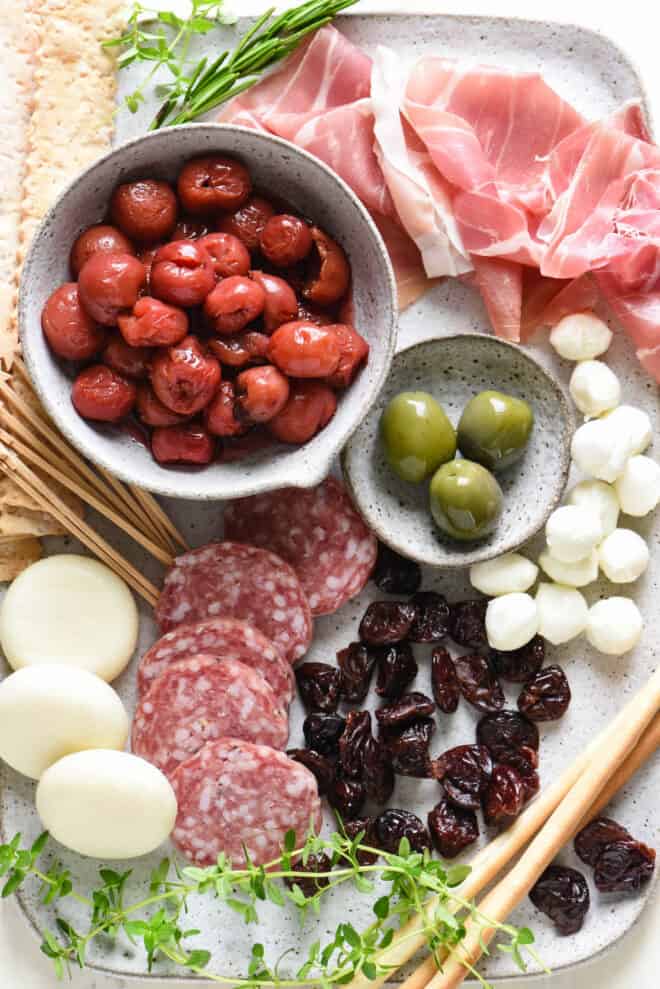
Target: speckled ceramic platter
591, 72
454, 369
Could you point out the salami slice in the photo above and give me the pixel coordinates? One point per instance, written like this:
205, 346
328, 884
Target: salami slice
198, 700
317, 531
224, 638
231, 580
234, 794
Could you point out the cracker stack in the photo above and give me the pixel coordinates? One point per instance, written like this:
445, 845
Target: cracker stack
57, 119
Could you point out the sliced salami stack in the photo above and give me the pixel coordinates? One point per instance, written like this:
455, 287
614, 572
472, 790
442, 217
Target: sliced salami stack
234, 795
317, 531
231, 580
199, 700
224, 638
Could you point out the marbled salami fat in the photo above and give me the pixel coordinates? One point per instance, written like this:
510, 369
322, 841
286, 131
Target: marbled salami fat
199, 700
231, 580
234, 794
317, 531
224, 638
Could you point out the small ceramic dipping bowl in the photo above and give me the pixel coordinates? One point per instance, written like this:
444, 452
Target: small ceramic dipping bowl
453, 369
277, 167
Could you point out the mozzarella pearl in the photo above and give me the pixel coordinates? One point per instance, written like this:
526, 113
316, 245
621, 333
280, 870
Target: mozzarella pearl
614, 625
581, 337
623, 556
46, 712
110, 805
598, 498
635, 423
562, 612
508, 573
577, 574
601, 448
69, 609
572, 533
511, 621
638, 488
594, 388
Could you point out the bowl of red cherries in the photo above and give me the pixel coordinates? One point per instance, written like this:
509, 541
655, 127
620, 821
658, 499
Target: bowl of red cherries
208, 312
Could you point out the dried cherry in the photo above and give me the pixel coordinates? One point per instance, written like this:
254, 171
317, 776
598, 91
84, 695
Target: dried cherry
505, 732
319, 686
396, 670
394, 824
387, 621
347, 797
525, 762
352, 744
624, 866
409, 749
431, 622
478, 683
356, 664
395, 574
444, 682
519, 665
318, 764
562, 895
452, 829
464, 772
504, 797
322, 731
467, 623
546, 696
378, 771
310, 885
403, 712
593, 839
366, 825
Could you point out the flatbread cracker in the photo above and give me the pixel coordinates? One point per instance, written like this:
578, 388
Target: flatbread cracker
16, 555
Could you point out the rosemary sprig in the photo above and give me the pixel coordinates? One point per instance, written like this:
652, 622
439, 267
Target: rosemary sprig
163, 38
157, 919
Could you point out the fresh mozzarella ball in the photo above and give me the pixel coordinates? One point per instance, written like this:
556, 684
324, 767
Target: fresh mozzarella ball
69, 609
110, 805
624, 556
508, 573
598, 498
602, 447
581, 337
511, 621
47, 712
594, 388
635, 423
577, 574
638, 488
562, 611
572, 533
614, 625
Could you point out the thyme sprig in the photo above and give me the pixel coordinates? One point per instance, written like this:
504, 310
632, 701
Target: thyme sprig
163, 38
157, 920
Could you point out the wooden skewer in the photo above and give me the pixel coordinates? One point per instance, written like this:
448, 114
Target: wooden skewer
24, 450
162, 518
645, 748
37, 489
511, 890
133, 506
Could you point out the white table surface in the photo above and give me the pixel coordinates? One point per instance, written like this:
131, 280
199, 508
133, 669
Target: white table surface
635, 962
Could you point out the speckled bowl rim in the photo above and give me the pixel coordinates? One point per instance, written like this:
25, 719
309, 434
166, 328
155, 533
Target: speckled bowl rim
485, 551
312, 471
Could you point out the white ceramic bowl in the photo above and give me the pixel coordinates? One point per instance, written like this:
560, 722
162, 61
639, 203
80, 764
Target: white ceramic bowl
292, 175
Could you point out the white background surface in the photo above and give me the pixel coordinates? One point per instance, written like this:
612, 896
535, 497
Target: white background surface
635, 962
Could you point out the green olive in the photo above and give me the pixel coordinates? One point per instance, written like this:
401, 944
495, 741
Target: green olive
466, 500
417, 435
495, 429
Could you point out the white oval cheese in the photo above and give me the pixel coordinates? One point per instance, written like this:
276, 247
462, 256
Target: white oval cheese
635, 423
511, 621
577, 574
624, 556
47, 712
106, 804
504, 575
614, 625
581, 336
594, 388
602, 447
69, 609
572, 533
563, 613
600, 499
638, 488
